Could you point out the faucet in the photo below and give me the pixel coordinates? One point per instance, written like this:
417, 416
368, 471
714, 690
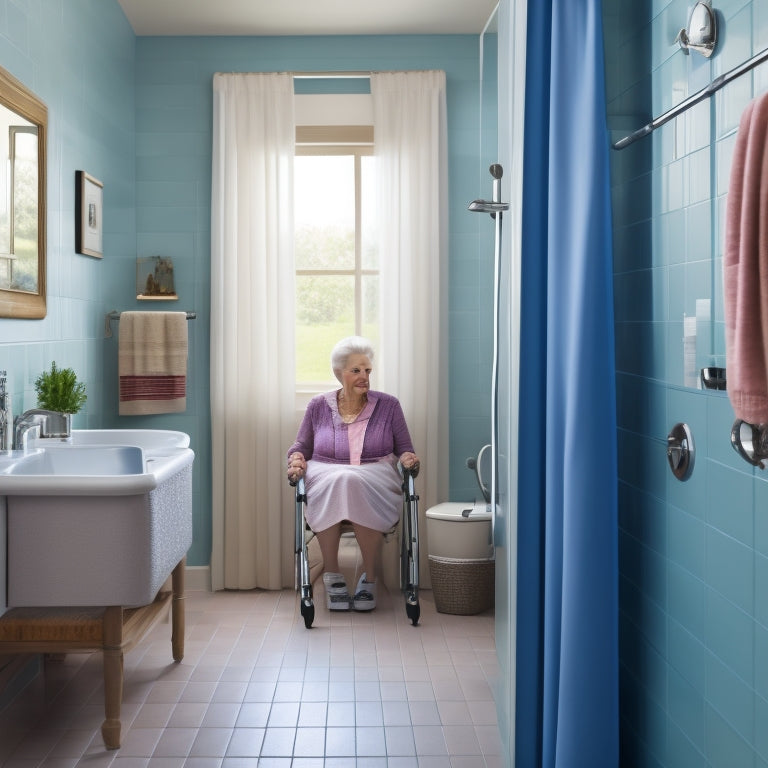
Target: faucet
47, 423
5, 414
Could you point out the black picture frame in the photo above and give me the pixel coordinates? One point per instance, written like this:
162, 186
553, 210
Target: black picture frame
89, 215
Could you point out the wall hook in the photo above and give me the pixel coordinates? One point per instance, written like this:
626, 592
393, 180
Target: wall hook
701, 33
750, 441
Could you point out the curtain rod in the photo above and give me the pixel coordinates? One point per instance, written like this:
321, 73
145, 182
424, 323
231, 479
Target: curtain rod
686, 104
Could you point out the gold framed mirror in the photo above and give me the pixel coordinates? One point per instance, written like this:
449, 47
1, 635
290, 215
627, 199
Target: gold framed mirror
23, 129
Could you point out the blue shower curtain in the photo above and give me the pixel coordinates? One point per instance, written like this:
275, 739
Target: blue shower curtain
567, 622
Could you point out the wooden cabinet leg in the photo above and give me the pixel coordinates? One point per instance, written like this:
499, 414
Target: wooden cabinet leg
113, 675
177, 610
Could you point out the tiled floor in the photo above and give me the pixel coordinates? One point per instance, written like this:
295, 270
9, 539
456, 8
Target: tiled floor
256, 687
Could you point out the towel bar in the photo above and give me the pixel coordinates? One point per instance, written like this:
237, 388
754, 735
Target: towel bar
115, 315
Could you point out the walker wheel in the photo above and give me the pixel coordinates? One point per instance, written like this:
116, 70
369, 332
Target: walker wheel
308, 612
413, 611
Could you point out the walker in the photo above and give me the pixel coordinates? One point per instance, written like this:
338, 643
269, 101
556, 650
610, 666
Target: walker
409, 550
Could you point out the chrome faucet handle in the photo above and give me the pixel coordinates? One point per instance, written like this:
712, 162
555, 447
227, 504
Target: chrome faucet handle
23, 423
49, 423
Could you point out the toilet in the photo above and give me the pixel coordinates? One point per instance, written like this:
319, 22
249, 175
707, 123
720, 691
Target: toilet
461, 555
459, 530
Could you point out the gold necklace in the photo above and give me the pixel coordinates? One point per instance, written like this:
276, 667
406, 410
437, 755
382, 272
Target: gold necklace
348, 416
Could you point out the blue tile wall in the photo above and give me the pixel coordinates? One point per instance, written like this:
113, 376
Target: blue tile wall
78, 56
693, 556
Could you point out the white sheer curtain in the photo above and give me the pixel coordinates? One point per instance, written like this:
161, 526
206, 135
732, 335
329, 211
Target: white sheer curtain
252, 317
409, 115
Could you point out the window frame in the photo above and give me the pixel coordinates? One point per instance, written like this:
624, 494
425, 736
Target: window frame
338, 140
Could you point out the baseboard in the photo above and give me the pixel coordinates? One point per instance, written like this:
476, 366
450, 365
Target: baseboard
197, 578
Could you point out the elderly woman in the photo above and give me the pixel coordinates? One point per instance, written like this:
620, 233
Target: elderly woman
348, 446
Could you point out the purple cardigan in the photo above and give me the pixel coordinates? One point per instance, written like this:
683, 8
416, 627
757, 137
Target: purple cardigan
323, 435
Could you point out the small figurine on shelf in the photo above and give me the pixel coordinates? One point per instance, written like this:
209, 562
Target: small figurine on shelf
157, 283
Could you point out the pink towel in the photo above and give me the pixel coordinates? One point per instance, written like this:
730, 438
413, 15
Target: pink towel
152, 362
745, 268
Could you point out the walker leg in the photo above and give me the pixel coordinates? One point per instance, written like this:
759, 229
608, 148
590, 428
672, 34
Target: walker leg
303, 580
412, 610
409, 555
307, 611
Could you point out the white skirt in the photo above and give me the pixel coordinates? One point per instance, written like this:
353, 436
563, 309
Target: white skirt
367, 494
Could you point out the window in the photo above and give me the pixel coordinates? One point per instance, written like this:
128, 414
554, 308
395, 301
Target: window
18, 212
337, 271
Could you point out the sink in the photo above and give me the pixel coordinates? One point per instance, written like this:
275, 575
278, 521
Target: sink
101, 519
95, 462
156, 440
9, 458
81, 460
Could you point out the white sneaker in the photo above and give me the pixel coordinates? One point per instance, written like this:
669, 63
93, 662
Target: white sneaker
365, 595
337, 596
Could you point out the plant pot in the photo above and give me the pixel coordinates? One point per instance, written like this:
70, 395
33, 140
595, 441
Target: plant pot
58, 425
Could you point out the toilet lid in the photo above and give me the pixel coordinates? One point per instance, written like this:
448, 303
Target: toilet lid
459, 512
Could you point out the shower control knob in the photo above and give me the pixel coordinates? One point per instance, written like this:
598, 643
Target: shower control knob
680, 451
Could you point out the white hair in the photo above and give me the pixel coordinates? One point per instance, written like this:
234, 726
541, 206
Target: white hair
352, 345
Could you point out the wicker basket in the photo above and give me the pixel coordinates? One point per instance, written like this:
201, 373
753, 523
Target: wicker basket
462, 586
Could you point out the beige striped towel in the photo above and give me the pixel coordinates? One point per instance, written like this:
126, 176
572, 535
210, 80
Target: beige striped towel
152, 362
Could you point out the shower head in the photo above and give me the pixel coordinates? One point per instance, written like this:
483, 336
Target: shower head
491, 206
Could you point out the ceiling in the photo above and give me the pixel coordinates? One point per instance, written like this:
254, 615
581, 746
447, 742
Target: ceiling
307, 17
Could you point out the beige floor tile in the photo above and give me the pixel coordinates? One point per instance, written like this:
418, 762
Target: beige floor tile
355, 691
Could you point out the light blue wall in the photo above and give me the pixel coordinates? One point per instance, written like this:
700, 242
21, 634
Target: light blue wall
136, 113
173, 172
78, 57
693, 555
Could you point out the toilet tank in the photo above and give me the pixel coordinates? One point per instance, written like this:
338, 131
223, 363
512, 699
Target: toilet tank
460, 530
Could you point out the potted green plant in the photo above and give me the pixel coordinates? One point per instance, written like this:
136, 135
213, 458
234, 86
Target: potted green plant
59, 390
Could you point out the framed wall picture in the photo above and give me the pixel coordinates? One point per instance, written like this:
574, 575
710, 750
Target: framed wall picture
89, 214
